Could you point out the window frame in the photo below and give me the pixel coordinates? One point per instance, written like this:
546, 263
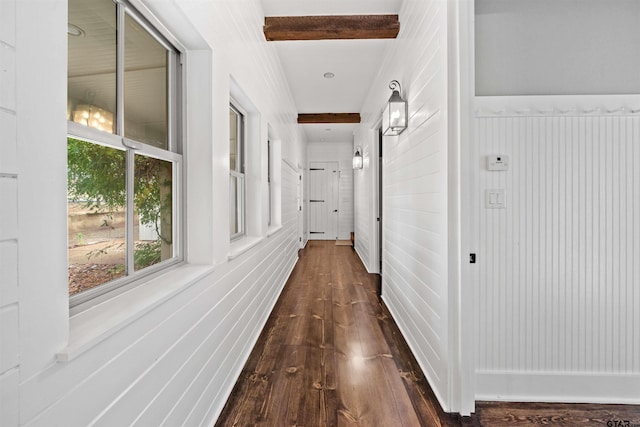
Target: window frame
240, 172
269, 181
117, 140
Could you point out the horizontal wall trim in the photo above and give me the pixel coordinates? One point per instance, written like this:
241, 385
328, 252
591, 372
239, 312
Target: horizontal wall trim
558, 387
557, 105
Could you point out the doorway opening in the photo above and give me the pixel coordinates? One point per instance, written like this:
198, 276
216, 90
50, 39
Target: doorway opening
323, 200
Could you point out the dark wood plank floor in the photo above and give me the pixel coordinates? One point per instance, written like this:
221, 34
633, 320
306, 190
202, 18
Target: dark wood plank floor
331, 355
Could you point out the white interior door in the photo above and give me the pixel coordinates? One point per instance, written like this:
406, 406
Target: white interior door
317, 202
323, 200
333, 212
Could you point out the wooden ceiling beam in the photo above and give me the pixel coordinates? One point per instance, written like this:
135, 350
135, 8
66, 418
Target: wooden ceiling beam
279, 28
329, 118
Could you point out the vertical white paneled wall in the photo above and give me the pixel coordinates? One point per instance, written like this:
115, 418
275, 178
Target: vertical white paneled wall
415, 186
9, 303
559, 284
343, 154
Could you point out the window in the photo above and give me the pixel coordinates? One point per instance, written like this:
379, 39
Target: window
236, 170
124, 154
274, 181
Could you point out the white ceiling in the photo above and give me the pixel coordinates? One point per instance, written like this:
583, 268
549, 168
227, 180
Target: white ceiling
329, 7
355, 63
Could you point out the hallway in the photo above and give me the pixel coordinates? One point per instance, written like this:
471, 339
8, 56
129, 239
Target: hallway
505, 208
330, 354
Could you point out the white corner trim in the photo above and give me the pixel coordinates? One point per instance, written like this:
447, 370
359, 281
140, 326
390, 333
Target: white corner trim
566, 387
90, 327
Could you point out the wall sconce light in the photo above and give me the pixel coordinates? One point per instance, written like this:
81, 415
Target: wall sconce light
357, 159
394, 118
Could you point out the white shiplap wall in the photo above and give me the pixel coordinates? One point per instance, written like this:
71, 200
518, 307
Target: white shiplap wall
415, 185
559, 284
174, 363
364, 200
290, 180
9, 303
414, 281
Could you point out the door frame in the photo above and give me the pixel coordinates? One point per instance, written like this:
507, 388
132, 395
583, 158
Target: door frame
334, 167
377, 169
463, 299
301, 209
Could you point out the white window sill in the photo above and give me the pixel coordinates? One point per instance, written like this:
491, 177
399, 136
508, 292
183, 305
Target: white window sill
241, 246
89, 327
273, 230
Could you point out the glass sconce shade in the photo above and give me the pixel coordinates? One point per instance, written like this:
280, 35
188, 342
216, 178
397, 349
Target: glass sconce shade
394, 118
357, 159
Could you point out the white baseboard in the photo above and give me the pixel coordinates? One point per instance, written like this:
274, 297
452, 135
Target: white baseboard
565, 387
362, 259
396, 312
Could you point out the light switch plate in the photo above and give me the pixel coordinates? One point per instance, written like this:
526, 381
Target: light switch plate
495, 199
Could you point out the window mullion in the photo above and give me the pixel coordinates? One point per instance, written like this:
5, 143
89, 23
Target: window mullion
120, 71
130, 165
129, 235
171, 101
241, 134
241, 210
176, 213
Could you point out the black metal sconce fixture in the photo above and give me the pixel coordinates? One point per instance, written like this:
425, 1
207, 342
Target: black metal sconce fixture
395, 116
